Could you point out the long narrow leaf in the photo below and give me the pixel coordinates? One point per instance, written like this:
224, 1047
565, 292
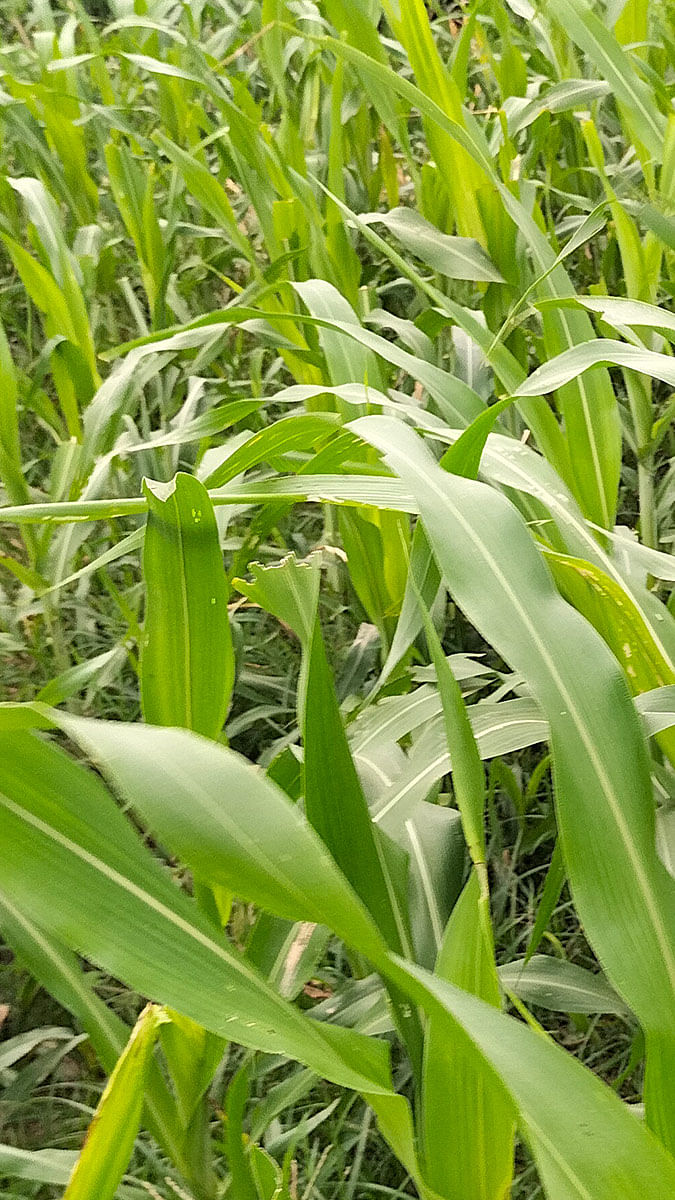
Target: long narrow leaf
187, 662
603, 789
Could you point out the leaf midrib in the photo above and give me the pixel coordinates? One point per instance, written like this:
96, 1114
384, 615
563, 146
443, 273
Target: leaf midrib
587, 742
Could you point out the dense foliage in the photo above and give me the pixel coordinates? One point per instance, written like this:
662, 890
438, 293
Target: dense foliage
337, 624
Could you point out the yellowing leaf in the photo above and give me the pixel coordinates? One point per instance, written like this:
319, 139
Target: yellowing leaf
112, 1133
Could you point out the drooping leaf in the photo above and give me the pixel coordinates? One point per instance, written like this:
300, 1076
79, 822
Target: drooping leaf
561, 986
586, 1143
454, 257
572, 363
68, 840
603, 790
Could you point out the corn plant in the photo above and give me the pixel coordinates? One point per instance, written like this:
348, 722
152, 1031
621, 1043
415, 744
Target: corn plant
405, 278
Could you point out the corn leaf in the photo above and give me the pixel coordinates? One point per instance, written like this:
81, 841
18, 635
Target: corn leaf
70, 839
603, 790
468, 1117
116, 1122
187, 661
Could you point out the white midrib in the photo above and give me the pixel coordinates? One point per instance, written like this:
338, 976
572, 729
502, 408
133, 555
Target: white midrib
587, 742
193, 932
359, 746
434, 915
635, 95
384, 779
594, 548
568, 989
435, 763
583, 394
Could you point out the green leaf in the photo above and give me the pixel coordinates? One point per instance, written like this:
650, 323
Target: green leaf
468, 1117
561, 97
43, 290
498, 728
238, 1161
258, 844
526, 1063
410, 24
347, 361
591, 417
454, 257
206, 189
457, 396
40, 1166
187, 660
192, 1055
586, 1143
380, 492
80, 676
432, 837
119, 550
605, 352
14, 1049
337, 808
614, 65
58, 970
592, 428
50, 1166
619, 622
114, 1128
657, 708
604, 799
375, 544
468, 777
553, 886
423, 579
560, 986
69, 840
463, 458
511, 464
282, 437
334, 802
11, 466
616, 618
287, 589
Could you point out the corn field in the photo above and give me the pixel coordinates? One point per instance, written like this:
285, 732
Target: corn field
337, 621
